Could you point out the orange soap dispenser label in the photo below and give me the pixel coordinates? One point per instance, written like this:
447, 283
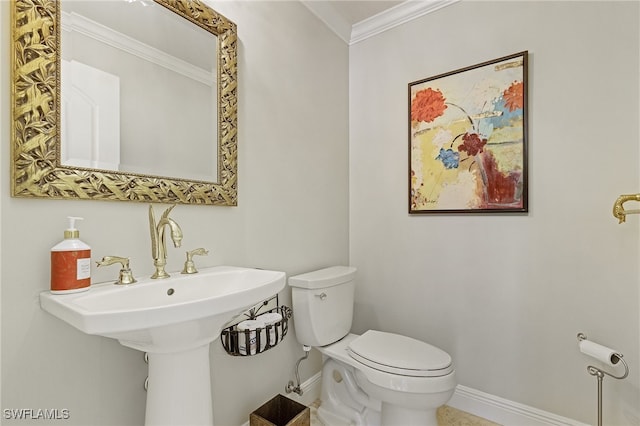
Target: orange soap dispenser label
70, 270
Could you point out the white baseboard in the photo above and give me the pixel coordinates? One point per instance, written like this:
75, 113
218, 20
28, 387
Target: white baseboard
503, 411
310, 390
472, 401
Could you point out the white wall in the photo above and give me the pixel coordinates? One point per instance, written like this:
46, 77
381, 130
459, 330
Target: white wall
506, 295
292, 216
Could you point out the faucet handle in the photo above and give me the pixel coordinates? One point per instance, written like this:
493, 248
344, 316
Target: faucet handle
125, 276
189, 265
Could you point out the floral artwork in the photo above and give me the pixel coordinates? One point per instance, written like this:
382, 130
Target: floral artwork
467, 139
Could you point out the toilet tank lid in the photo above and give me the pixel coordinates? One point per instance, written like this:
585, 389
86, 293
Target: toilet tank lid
323, 278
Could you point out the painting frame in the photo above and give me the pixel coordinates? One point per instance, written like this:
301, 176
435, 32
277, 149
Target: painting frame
468, 143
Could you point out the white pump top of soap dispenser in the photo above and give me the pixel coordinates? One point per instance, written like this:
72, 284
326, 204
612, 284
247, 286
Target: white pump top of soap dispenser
72, 232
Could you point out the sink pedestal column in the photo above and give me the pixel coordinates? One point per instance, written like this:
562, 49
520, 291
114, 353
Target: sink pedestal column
179, 388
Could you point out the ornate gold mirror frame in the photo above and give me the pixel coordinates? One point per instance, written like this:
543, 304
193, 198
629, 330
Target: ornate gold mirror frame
35, 147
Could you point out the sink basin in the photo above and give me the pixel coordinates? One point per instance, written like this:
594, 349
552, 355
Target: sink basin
174, 320
134, 311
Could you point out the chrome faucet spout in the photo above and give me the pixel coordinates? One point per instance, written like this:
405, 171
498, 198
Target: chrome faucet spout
158, 240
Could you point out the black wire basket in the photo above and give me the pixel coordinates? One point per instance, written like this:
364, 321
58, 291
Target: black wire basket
255, 341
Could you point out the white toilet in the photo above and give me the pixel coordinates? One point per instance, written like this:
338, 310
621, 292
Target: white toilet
374, 379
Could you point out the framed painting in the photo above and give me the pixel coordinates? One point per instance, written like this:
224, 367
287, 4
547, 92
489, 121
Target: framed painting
468, 139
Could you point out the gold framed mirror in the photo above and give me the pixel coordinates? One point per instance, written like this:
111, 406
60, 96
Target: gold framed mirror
36, 166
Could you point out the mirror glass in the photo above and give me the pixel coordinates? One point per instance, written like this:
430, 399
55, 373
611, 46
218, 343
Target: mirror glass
142, 108
138, 95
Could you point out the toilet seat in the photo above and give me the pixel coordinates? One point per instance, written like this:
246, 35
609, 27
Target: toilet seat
401, 355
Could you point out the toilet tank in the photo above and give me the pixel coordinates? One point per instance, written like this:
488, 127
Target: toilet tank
323, 304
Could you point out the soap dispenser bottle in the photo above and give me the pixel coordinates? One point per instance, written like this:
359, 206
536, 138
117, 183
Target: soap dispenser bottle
70, 262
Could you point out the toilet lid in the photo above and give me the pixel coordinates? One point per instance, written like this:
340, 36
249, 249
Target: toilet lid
399, 354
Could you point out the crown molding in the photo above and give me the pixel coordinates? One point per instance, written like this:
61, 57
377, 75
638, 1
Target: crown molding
383, 21
397, 15
73, 22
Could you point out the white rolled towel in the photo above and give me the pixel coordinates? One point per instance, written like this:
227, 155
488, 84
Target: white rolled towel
252, 326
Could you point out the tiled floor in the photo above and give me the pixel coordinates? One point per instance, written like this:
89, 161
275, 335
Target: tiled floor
447, 416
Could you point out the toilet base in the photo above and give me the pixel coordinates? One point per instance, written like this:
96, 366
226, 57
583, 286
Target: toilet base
343, 403
346, 401
393, 415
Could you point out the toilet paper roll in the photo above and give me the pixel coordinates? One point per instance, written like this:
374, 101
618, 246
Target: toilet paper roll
599, 352
271, 319
252, 326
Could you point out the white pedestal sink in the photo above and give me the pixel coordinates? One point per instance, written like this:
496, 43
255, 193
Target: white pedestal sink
174, 320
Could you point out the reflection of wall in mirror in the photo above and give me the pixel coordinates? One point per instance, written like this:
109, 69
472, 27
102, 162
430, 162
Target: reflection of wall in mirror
162, 108
92, 98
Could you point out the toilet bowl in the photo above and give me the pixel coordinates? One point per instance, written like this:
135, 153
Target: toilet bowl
376, 378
